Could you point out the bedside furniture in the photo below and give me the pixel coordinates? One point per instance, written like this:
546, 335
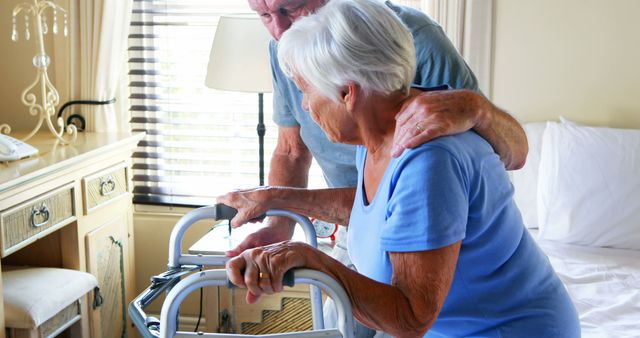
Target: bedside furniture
70, 207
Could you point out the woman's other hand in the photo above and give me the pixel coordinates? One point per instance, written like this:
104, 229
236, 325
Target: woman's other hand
260, 270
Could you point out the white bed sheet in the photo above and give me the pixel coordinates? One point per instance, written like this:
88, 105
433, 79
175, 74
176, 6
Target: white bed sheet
604, 285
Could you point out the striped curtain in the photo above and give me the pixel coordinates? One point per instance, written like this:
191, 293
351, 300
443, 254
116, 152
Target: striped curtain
99, 31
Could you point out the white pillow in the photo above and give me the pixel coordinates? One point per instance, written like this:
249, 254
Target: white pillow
589, 186
525, 179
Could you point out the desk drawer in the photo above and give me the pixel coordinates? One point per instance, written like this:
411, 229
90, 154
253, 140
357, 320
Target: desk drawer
35, 218
104, 186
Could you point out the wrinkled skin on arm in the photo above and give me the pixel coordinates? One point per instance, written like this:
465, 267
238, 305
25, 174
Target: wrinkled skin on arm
439, 113
331, 204
406, 308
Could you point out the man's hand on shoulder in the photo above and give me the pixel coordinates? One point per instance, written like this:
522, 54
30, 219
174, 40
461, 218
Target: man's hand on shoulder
433, 114
437, 113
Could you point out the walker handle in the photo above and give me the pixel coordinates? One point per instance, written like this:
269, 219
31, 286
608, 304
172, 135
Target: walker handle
223, 211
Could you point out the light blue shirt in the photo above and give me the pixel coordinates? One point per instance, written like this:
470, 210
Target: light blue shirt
454, 189
438, 63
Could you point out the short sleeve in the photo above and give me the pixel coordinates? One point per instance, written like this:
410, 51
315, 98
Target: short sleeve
282, 115
428, 203
438, 62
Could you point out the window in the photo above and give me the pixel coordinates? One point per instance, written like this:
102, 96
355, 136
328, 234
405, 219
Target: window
200, 142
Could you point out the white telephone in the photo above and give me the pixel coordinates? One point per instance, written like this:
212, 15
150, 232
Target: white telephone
12, 149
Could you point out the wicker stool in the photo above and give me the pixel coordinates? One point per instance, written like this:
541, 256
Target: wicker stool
43, 302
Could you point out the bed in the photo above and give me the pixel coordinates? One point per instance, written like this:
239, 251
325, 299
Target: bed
579, 194
604, 284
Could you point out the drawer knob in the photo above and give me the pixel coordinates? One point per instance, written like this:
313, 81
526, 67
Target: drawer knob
107, 186
42, 212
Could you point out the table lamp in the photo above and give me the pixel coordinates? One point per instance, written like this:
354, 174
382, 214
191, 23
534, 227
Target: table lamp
239, 61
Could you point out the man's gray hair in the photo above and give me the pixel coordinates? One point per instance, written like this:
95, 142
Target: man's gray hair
348, 41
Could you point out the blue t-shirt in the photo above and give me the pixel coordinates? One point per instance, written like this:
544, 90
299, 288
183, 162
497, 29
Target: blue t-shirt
438, 63
452, 189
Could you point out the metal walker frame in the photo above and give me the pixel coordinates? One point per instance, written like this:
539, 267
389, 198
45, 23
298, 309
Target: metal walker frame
181, 265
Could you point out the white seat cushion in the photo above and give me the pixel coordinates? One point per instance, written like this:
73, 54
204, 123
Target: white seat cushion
33, 295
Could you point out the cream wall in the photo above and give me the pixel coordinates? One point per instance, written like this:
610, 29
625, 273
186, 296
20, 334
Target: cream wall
17, 71
577, 58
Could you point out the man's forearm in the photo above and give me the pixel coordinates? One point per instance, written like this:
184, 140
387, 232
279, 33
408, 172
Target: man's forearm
288, 178
289, 170
331, 205
504, 133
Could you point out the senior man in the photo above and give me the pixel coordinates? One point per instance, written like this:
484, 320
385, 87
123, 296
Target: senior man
428, 116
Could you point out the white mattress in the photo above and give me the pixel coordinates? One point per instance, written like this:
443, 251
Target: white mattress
604, 285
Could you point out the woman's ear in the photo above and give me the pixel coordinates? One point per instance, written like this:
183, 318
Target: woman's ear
349, 95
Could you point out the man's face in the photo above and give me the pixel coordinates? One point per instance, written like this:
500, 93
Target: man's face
279, 15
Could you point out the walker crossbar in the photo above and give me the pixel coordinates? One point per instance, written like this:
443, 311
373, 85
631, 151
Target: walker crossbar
218, 277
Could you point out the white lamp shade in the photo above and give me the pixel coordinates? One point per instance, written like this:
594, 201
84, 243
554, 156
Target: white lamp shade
239, 59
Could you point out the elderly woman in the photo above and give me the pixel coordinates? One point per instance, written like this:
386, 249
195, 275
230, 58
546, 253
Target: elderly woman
438, 243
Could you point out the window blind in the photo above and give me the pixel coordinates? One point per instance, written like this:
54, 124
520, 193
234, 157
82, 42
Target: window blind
200, 142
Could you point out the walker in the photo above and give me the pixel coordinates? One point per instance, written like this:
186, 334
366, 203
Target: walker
181, 264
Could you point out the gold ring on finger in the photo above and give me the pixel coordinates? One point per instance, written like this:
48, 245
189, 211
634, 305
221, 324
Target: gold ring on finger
419, 128
264, 275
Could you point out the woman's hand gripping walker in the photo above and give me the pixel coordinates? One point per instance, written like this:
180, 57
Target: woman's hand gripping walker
181, 264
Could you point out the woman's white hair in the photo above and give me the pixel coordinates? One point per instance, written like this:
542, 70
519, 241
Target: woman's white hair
350, 41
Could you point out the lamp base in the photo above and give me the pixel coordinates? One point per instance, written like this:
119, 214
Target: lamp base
262, 129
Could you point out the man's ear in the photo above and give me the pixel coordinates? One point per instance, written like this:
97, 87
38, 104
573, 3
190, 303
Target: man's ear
350, 95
